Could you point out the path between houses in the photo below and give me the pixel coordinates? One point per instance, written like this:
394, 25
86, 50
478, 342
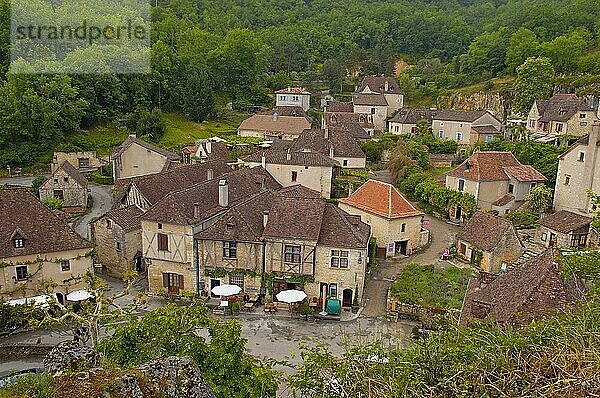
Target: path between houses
442, 235
102, 202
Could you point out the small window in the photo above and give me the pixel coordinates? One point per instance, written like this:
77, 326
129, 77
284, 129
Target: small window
582, 115
21, 272
229, 226
56, 180
461, 185
118, 246
504, 266
372, 111
403, 228
65, 265
291, 254
159, 226
583, 124
567, 179
237, 280
489, 138
229, 250
441, 134
339, 259
66, 179
581, 157
544, 237
58, 194
559, 127
19, 243
305, 167
294, 176
345, 163
163, 243
333, 291
511, 188
459, 136
108, 224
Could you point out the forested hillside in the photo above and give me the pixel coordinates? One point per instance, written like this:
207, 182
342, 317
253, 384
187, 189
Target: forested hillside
207, 52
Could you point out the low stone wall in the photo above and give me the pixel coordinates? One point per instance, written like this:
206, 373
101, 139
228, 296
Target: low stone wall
21, 351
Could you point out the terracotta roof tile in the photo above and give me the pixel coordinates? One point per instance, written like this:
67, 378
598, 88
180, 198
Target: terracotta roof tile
492, 166
381, 199
42, 231
565, 221
293, 90
484, 230
525, 173
504, 200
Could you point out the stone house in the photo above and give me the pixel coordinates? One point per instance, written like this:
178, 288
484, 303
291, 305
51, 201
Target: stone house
565, 230
394, 222
84, 161
38, 246
293, 96
134, 158
168, 227
117, 236
205, 151
489, 243
283, 122
359, 125
145, 191
373, 104
457, 125
497, 180
313, 247
68, 185
338, 144
386, 86
310, 169
578, 172
405, 120
561, 115
532, 291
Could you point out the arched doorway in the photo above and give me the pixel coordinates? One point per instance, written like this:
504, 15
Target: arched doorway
347, 298
60, 297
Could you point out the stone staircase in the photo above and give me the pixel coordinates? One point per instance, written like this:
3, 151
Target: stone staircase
532, 249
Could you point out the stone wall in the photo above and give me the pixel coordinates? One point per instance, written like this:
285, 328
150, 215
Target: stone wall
499, 104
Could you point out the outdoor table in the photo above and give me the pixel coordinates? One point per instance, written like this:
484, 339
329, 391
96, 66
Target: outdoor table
249, 306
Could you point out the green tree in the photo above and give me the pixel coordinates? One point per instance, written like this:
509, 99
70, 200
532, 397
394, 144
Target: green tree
539, 198
523, 44
534, 81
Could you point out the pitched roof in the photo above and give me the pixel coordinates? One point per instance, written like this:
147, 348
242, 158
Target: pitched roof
341, 107
276, 124
156, 186
243, 222
487, 129
458, 115
340, 229
289, 157
561, 107
201, 201
296, 218
315, 140
293, 90
73, 173
524, 293
484, 230
491, 166
565, 221
354, 123
296, 111
299, 191
43, 232
377, 84
381, 199
525, 173
412, 116
369, 99
127, 218
504, 200
209, 150
134, 140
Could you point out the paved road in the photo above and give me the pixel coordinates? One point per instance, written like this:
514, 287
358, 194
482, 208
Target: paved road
442, 235
23, 181
102, 197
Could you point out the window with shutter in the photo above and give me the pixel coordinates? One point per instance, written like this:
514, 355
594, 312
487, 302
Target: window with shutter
163, 242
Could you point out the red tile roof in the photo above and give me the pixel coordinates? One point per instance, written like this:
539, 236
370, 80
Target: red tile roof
493, 166
381, 199
485, 231
565, 221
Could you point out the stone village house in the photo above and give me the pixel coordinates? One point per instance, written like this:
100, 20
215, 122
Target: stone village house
578, 172
84, 162
565, 230
465, 127
497, 180
38, 246
379, 97
489, 242
205, 151
134, 158
531, 291
68, 185
316, 247
283, 122
117, 236
394, 222
293, 96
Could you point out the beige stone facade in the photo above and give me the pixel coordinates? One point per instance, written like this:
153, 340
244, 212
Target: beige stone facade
508, 250
379, 114
317, 178
136, 161
118, 251
83, 161
63, 186
460, 131
64, 268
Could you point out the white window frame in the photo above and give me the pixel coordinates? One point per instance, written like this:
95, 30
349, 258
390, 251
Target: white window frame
340, 259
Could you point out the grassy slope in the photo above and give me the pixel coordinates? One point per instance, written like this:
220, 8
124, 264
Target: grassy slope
179, 130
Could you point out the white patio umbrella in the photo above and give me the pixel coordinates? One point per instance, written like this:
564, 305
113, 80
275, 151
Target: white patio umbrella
41, 301
79, 295
226, 290
291, 296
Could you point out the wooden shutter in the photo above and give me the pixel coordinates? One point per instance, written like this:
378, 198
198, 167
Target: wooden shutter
165, 280
181, 281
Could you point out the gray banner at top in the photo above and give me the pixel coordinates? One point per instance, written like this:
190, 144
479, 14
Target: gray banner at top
80, 36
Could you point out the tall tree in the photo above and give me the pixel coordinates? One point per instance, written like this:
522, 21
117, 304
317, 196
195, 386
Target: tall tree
534, 81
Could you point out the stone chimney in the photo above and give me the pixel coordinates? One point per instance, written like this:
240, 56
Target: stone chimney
208, 147
263, 161
196, 210
209, 174
326, 133
289, 155
331, 152
265, 218
387, 86
223, 193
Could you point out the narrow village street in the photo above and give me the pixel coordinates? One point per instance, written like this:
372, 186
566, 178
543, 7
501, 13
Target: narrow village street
101, 203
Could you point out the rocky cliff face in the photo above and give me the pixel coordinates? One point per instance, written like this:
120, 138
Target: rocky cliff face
498, 103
